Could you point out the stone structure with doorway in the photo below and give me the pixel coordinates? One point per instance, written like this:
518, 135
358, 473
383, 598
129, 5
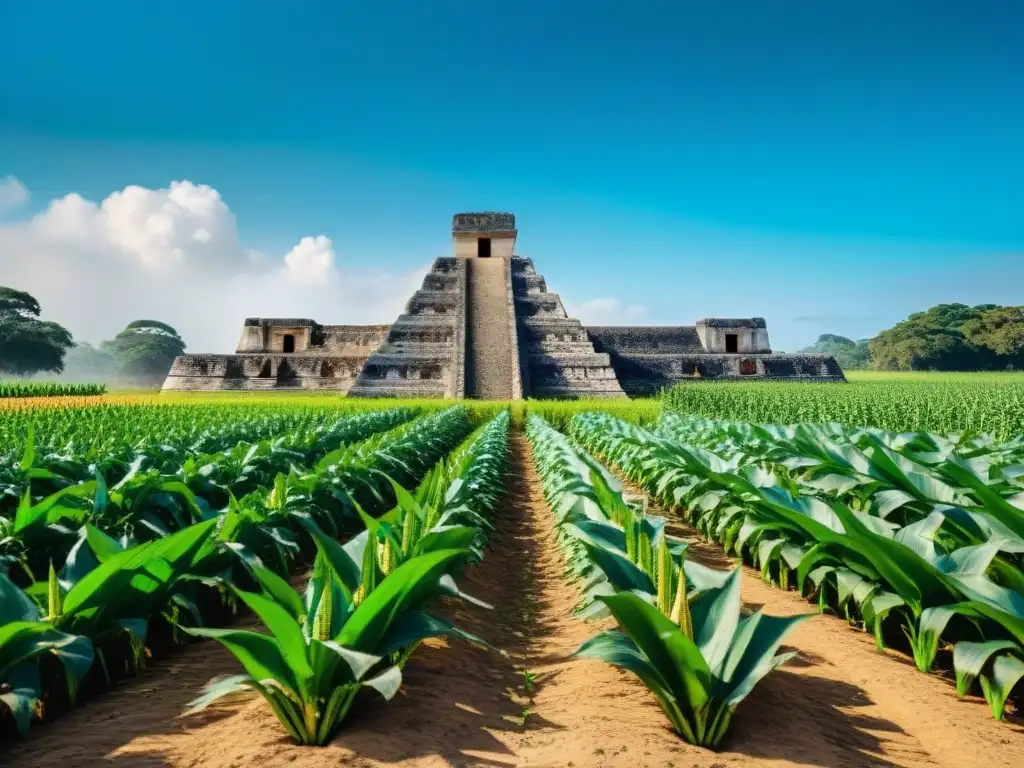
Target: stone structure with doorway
484, 324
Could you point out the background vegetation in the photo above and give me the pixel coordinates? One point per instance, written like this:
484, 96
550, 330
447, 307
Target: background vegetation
947, 337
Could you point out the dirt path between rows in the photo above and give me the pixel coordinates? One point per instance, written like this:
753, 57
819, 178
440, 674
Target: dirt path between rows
838, 704
889, 712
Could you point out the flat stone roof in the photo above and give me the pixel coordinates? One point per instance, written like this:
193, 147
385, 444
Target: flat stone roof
486, 221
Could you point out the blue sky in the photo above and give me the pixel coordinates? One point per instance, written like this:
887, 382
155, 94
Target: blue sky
830, 166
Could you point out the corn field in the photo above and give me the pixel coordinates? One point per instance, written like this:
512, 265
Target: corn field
993, 405
133, 527
48, 389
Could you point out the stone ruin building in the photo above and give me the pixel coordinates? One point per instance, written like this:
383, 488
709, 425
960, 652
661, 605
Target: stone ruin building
485, 325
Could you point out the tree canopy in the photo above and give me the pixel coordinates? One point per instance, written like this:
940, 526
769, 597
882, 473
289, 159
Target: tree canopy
947, 337
850, 354
1000, 329
29, 345
145, 349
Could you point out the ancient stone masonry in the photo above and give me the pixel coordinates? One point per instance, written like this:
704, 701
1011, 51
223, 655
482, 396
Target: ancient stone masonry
424, 351
484, 324
559, 357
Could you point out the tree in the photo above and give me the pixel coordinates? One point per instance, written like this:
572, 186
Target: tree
850, 354
145, 349
29, 345
999, 329
933, 340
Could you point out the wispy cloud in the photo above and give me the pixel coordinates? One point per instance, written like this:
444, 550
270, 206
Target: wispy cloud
13, 194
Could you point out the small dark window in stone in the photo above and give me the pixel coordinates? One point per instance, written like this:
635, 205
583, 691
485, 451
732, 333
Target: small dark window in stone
483, 247
748, 367
289, 343
732, 343
265, 370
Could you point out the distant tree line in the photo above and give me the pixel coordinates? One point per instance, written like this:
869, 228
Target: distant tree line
142, 352
947, 337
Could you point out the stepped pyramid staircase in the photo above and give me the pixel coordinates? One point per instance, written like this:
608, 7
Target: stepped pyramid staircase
557, 355
483, 324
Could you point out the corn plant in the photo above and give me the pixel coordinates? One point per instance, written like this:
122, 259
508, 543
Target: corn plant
351, 630
700, 660
956, 559
25, 637
679, 627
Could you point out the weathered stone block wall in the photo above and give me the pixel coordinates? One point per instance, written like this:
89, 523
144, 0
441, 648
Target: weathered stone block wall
510, 314
459, 372
262, 372
353, 339
648, 372
681, 339
558, 358
502, 245
751, 333
423, 353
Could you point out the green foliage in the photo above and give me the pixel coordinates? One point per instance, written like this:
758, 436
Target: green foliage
145, 349
143, 514
1001, 330
319, 653
916, 528
952, 337
991, 404
679, 624
48, 389
851, 355
363, 613
29, 345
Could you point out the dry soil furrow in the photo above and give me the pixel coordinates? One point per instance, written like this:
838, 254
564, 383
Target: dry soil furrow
894, 715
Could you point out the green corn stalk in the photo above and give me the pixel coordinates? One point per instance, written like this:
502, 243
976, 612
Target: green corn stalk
410, 533
368, 574
324, 611
631, 540
664, 577
645, 554
387, 556
53, 595
681, 610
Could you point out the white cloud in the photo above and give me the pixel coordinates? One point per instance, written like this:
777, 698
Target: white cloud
174, 255
311, 261
12, 193
606, 311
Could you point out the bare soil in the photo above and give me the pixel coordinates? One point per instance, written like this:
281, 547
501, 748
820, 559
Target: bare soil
839, 703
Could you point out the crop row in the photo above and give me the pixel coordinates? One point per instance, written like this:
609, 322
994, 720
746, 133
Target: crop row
363, 612
680, 629
910, 533
95, 612
980, 406
95, 431
48, 389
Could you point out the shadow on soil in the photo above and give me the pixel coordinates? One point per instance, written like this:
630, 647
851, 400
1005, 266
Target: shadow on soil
455, 699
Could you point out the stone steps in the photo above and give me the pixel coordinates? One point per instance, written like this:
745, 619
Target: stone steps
491, 351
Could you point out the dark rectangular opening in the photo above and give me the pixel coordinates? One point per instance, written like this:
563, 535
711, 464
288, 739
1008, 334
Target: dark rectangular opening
483, 247
732, 343
289, 343
748, 367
